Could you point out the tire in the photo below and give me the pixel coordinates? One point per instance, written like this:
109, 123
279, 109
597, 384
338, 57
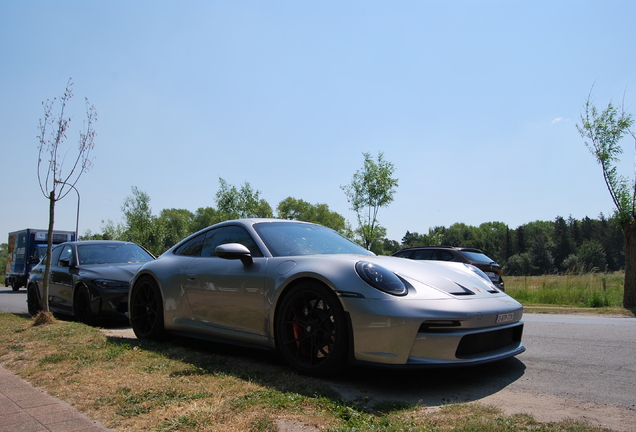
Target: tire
15, 285
311, 330
82, 306
33, 300
146, 310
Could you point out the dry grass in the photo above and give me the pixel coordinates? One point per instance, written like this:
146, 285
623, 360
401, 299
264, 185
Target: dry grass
134, 385
43, 318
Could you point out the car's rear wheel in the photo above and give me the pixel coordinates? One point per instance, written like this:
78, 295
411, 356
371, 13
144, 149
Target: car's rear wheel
146, 309
82, 306
311, 330
33, 300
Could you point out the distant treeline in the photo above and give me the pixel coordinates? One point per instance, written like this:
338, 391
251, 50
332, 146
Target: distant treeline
562, 245
536, 248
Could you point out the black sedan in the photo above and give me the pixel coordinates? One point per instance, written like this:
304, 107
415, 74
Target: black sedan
89, 279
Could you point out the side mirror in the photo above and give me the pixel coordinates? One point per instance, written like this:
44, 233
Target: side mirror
34, 260
65, 263
234, 251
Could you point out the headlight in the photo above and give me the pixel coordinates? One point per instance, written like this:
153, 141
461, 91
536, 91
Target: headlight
380, 278
110, 284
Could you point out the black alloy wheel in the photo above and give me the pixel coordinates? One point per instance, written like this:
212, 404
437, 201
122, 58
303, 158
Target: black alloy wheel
33, 301
311, 330
82, 306
146, 310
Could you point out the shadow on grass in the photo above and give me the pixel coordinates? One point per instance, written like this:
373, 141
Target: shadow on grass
358, 385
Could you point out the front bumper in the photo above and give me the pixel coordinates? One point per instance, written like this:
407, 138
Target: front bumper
110, 303
434, 332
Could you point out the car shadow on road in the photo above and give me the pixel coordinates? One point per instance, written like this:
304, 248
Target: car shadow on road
429, 387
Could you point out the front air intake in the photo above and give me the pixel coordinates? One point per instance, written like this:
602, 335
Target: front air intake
479, 343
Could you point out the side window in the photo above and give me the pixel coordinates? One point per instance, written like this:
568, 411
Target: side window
66, 254
443, 255
404, 254
55, 254
192, 247
423, 254
228, 234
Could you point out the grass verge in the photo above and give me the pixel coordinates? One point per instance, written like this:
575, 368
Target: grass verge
134, 385
596, 293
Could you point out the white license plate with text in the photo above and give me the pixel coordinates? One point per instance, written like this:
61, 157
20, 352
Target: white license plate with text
502, 318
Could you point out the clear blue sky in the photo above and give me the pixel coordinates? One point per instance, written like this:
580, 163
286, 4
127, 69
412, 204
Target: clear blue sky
475, 102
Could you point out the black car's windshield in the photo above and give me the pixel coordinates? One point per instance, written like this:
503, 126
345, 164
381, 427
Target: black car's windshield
112, 253
289, 239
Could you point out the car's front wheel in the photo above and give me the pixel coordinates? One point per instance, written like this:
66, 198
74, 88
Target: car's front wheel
82, 306
33, 300
311, 330
146, 309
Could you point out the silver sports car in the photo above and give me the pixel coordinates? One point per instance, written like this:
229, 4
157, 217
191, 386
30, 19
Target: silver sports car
322, 301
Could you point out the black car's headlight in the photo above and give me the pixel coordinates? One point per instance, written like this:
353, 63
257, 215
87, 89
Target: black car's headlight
110, 284
380, 278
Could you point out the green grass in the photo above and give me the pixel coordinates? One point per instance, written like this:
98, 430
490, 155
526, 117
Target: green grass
593, 290
133, 385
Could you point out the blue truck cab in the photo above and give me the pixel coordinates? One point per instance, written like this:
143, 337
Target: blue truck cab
25, 249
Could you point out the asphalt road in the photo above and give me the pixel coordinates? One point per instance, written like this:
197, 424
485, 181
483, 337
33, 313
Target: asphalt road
581, 357
13, 301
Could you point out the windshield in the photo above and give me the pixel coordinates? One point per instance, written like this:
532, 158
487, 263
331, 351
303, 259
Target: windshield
478, 257
290, 239
112, 253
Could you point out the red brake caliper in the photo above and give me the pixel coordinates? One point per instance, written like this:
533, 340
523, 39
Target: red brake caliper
297, 331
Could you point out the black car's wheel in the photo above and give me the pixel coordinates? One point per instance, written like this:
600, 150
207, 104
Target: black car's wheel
311, 330
82, 306
146, 310
15, 285
33, 300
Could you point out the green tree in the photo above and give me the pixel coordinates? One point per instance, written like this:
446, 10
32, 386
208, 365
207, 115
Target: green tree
603, 130
4, 250
370, 189
460, 234
591, 255
386, 247
140, 226
540, 258
411, 239
55, 183
205, 217
561, 242
176, 223
491, 239
112, 231
518, 265
240, 203
297, 209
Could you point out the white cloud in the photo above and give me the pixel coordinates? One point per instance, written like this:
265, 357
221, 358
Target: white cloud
557, 120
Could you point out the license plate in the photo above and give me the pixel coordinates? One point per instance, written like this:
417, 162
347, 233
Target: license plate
502, 318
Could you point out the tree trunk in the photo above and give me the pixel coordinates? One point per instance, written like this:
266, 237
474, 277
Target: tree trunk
629, 295
49, 248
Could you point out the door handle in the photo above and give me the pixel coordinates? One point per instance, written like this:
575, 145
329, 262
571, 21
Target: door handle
191, 277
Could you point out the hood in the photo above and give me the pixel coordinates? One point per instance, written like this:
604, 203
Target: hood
119, 272
456, 279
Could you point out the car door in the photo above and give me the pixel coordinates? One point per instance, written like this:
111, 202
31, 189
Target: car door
226, 294
61, 286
